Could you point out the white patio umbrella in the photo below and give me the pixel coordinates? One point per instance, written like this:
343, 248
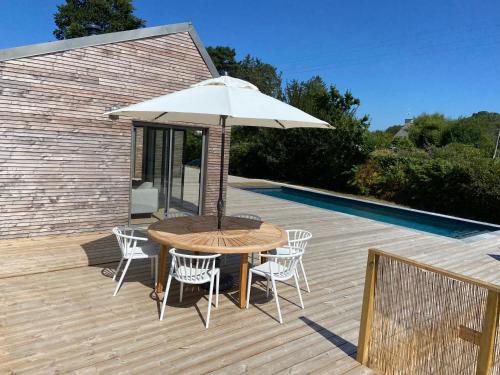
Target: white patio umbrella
223, 101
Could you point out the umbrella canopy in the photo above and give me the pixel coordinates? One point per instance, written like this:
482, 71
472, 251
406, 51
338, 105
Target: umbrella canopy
207, 101
221, 101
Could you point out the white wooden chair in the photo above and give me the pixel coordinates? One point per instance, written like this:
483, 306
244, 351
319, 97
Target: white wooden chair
131, 250
277, 268
297, 239
193, 269
251, 217
172, 215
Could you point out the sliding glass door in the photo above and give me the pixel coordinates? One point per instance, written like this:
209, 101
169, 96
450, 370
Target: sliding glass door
178, 170
186, 170
167, 171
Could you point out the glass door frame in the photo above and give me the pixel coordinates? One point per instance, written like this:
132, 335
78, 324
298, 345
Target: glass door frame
170, 128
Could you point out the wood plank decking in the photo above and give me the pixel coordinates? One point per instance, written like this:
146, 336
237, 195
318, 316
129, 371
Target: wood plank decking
57, 313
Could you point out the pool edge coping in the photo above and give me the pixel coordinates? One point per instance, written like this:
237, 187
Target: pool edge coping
312, 190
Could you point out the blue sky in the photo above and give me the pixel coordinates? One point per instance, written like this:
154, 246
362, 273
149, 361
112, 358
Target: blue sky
398, 58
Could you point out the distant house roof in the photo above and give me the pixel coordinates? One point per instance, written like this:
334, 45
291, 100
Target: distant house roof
405, 130
121, 36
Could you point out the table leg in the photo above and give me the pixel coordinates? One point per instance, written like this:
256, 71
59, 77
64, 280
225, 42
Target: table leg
160, 287
243, 279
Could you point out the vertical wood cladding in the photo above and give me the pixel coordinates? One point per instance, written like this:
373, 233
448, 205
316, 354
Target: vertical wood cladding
139, 145
213, 169
64, 167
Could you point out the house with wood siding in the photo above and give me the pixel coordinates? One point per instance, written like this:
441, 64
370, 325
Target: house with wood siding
65, 167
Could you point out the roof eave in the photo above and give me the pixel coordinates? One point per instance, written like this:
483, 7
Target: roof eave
121, 36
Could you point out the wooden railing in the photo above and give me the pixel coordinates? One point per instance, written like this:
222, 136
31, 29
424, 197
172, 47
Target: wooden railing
417, 318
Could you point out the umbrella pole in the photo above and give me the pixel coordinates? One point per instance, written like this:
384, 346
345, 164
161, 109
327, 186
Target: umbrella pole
220, 202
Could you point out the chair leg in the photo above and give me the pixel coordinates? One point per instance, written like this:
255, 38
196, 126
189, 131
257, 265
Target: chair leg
156, 270
251, 259
275, 292
122, 277
152, 266
118, 268
249, 287
181, 291
217, 290
304, 273
210, 300
298, 290
165, 297
267, 287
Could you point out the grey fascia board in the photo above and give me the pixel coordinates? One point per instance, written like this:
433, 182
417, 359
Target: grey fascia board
203, 52
109, 38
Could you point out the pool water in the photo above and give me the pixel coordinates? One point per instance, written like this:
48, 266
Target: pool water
427, 222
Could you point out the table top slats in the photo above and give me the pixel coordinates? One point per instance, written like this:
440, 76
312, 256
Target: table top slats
199, 233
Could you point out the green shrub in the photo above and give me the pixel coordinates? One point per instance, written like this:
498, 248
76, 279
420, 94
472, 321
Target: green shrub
427, 130
454, 180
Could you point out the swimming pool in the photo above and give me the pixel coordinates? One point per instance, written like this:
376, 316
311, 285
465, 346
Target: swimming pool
423, 221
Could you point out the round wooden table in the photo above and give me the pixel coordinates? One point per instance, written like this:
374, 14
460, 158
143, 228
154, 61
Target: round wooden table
200, 233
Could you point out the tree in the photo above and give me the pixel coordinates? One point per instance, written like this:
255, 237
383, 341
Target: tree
392, 130
311, 156
317, 157
73, 17
465, 133
322, 157
263, 75
224, 59
248, 143
479, 130
383, 138
427, 130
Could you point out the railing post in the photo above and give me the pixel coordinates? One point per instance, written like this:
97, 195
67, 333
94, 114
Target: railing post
365, 329
488, 334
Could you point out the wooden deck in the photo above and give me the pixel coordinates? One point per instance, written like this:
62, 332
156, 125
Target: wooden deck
57, 313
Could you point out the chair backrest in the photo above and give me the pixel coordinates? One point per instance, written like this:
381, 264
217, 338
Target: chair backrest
297, 238
248, 216
125, 237
171, 215
192, 269
284, 265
